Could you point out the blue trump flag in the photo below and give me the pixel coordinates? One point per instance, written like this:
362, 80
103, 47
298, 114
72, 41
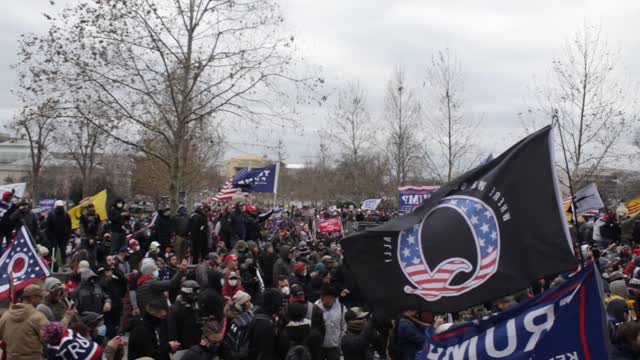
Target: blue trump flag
566, 322
260, 180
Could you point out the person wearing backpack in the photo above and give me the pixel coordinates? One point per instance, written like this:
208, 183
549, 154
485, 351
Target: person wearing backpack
211, 346
262, 340
240, 325
335, 325
298, 332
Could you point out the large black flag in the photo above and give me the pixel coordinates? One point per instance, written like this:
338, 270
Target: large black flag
487, 234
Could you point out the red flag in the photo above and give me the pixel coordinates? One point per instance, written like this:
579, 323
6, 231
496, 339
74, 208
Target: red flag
330, 225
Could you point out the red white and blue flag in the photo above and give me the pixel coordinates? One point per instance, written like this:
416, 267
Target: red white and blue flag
22, 259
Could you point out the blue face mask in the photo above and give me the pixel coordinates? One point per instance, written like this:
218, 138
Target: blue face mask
156, 274
101, 330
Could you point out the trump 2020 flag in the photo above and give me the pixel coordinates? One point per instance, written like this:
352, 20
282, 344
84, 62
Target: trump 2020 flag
260, 180
487, 234
565, 322
21, 258
586, 199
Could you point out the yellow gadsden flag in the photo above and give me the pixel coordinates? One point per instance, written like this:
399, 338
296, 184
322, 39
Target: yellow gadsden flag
633, 206
99, 200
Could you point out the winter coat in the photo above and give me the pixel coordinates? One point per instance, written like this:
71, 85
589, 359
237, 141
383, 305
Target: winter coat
411, 337
211, 299
153, 289
183, 325
58, 227
202, 274
239, 225
181, 225
116, 219
624, 352
282, 267
163, 229
89, 226
116, 289
300, 333
58, 309
357, 345
149, 339
262, 340
266, 262
26, 218
90, 296
334, 323
20, 330
199, 228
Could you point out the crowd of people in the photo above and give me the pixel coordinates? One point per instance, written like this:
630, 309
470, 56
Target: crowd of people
240, 282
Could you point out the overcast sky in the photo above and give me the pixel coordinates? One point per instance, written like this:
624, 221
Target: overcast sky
505, 47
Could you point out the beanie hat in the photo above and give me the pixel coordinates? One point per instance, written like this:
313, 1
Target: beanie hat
634, 284
51, 284
51, 334
83, 265
240, 298
148, 267
252, 244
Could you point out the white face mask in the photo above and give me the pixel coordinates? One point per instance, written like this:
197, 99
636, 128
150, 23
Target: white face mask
233, 283
285, 291
222, 282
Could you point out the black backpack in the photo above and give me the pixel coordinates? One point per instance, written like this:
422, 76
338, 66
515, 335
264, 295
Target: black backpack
237, 337
298, 352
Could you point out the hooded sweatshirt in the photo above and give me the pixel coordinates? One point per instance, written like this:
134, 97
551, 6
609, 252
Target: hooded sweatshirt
282, 267
90, 296
20, 330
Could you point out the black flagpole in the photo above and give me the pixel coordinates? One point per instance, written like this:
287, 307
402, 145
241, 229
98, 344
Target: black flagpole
574, 219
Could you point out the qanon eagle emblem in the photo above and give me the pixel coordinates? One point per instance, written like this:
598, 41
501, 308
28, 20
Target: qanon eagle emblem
434, 282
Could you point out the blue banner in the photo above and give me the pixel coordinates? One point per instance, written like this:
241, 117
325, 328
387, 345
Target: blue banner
47, 203
566, 322
370, 204
260, 180
410, 197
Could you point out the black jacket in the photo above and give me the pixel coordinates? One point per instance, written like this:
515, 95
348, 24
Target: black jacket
183, 326
199, 228
58, 227
89, 226
181, 225
116, 289
357, 345
26, 218
90, 296
262, 339
211, 299
116, 219
163, 229
266, 262
149, 338
199, 352
153, 289
300, 335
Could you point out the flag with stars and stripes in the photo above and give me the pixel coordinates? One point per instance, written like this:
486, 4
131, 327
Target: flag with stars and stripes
21, 258
487, 234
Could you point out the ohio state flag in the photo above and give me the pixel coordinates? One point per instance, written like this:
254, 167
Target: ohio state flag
21, 258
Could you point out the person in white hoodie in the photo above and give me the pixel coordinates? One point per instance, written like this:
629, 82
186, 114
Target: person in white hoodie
335, 325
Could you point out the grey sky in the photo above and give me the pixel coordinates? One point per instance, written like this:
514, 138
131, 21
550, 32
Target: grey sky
502, 44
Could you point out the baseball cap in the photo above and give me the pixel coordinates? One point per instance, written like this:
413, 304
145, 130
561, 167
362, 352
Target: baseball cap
90, 318
154, 245
59, 203
355, 313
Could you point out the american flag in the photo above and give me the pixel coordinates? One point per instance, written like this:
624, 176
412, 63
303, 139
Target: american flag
433, 283
22, 258
227, 191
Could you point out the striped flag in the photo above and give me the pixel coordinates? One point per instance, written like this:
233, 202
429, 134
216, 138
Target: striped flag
633, 206
227, 192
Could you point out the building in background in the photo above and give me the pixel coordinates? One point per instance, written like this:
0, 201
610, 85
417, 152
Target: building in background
246, 160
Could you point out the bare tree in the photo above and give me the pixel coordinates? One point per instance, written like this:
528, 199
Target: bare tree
36, 124
351, 123
323, 149
449, 147
402, 114
85, 143
592, 106
165, 67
